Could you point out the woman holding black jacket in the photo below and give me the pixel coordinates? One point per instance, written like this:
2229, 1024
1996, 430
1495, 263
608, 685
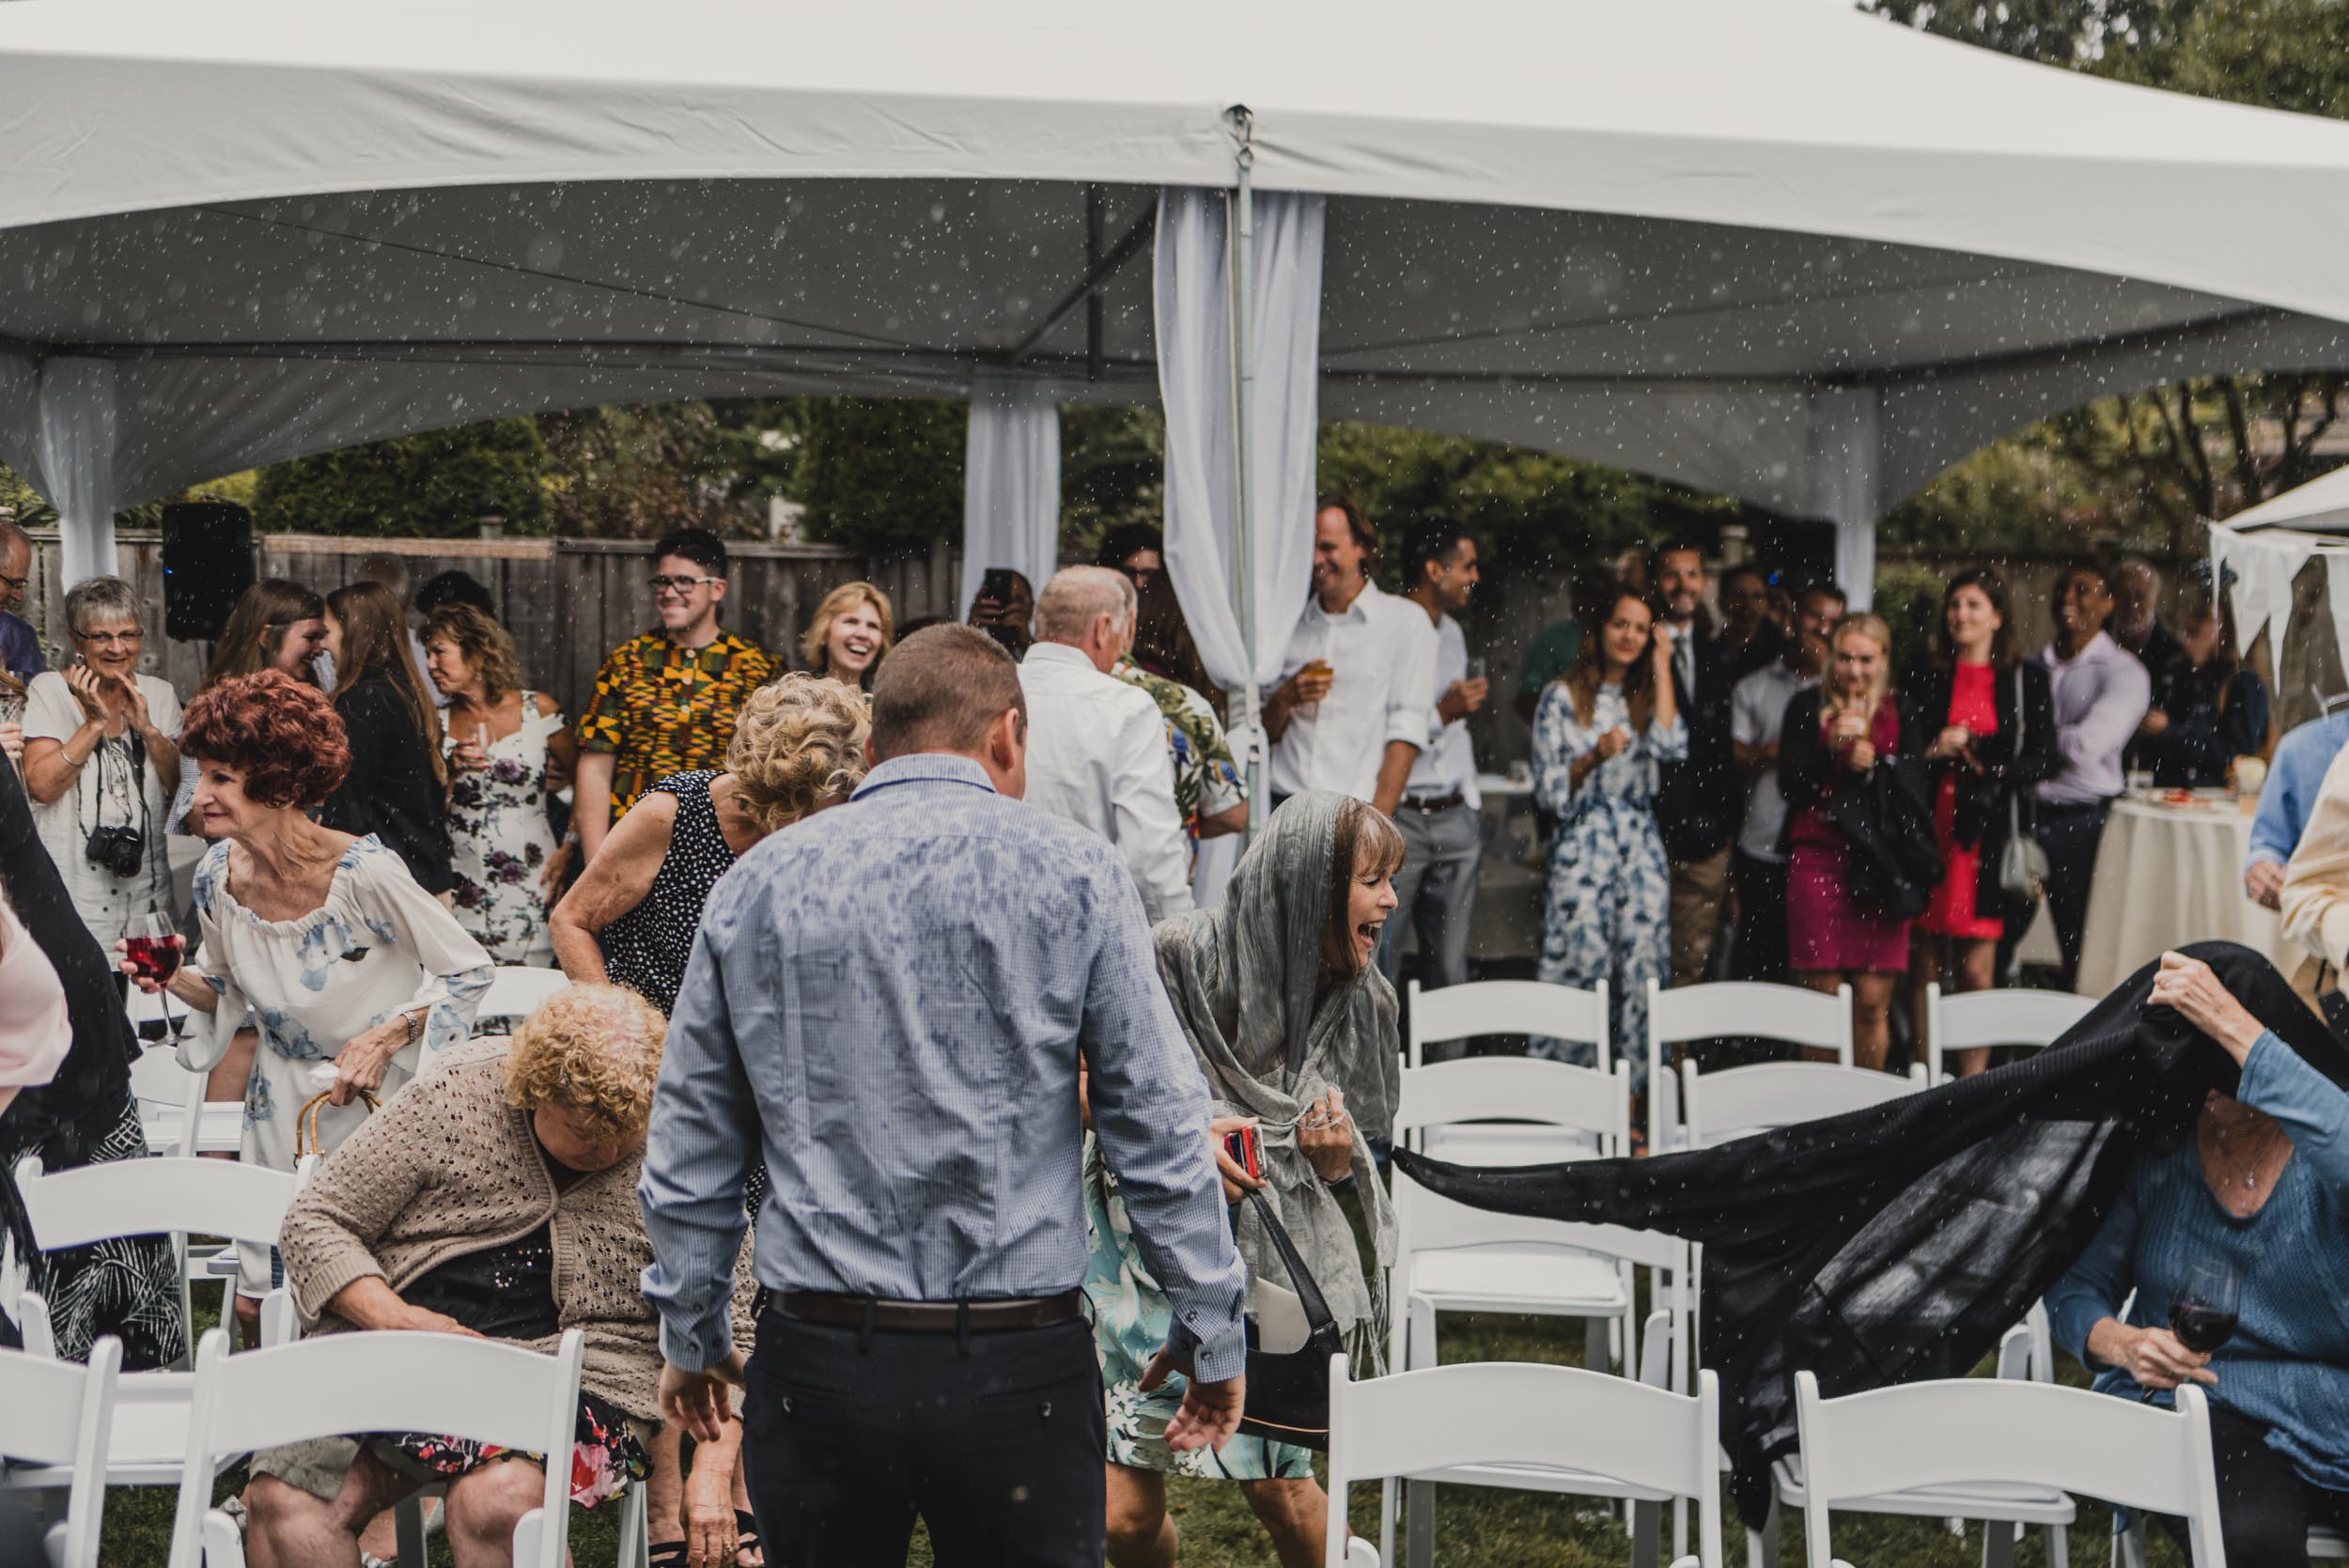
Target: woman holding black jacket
1991, 717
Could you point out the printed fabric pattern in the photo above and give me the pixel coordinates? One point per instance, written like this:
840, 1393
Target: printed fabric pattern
502, 841
662, 709
1207, 779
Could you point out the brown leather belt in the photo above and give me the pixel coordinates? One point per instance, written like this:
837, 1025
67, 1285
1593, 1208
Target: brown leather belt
928, 1317
1428, 805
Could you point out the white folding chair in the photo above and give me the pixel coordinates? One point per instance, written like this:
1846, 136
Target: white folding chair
1514, 1110
55, 1433
1734, 1009
1617, 1437
1736, 1102
378, 1382
514, 992
1452, 1258
1509, 1008
2003, 1509
1962, 1436
170, 1097
1971, 1019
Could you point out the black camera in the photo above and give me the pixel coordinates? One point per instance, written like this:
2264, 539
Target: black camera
120, 850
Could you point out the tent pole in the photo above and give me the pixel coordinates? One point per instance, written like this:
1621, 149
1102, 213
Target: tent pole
1243, 457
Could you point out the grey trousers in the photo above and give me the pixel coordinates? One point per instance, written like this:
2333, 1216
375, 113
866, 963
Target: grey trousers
1436, 887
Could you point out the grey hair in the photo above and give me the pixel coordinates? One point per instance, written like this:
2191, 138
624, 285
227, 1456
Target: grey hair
1078, 595
2130, 566
11, 535
102, 598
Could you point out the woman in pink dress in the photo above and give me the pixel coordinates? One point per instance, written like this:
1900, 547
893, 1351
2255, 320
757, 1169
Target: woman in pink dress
1834, 735
1992, 718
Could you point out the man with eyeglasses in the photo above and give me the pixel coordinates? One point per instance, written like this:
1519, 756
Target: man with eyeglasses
19, 649
665, 701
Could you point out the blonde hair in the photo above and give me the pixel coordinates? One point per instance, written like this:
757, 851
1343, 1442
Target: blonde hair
799, 746
1873, 627
813, 645
483, 642
593, 1050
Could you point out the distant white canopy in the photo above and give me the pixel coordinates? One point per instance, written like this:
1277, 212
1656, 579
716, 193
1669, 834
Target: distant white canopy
1782, 251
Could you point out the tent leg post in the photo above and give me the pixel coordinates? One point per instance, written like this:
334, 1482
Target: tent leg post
1243, 284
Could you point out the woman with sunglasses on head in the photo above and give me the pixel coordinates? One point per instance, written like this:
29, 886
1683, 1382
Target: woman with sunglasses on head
101, 765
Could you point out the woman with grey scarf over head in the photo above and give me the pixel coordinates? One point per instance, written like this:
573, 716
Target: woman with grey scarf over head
1297, 1032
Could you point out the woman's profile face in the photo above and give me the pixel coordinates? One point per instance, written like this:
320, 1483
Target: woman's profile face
565, 1135
445, 663
332, 644
221, 807
1369, 900
299, 647
854, 641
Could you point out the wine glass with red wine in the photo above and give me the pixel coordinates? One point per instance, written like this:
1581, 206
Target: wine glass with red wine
154, 947
2203, 1315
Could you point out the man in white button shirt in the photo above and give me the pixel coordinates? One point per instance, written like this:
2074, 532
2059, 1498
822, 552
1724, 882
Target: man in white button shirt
1351, 711
1097, 752
1441, 816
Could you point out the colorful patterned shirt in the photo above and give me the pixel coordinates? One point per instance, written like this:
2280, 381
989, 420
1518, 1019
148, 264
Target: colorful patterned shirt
1207, 780
664, 709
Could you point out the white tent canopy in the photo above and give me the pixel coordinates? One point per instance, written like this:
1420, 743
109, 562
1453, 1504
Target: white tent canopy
1778, 251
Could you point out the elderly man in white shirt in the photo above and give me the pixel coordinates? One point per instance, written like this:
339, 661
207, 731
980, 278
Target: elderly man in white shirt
1441, 814
1098, 751
1351, 713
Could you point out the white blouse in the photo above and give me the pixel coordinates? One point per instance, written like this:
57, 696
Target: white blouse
106, 793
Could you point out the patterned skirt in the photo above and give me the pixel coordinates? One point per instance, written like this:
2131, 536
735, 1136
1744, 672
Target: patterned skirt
129, 1287
605, 1453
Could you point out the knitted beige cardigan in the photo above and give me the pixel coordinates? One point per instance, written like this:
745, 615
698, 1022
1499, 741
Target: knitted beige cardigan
446, 1168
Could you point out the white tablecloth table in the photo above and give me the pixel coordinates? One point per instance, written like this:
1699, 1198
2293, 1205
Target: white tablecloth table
2167, 875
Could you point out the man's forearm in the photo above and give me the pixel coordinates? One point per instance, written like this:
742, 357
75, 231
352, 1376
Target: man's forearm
1395, 771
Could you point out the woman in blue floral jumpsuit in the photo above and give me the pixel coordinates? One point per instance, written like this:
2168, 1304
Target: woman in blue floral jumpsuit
1601, 729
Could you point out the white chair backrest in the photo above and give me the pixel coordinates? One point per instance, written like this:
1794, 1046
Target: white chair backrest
1734, 1009
1519, 1089
1424, 1222
2006, 1432
2000, 1017
385, 1382
60, 1414
1509, 1008
159, 1077
1735, 1101
1499, 1412
517, 989
151, 1197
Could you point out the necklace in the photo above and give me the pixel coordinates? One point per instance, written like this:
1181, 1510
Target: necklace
2249, 1173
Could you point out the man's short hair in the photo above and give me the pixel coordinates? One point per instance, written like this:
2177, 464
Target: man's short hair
1825, 590
1430, 541
1745, 568
939, 689
2130, 566
1357, 522
1127, 541
697, 544
1078, 595
383, 568
1674, 546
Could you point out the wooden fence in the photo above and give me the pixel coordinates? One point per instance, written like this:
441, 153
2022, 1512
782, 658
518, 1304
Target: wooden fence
566, 601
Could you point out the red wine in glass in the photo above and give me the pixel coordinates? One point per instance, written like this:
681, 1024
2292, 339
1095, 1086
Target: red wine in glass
2203, 1315
156, 958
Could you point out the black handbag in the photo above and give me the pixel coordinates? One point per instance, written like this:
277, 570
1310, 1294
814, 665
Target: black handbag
1886, 817
1288, 1391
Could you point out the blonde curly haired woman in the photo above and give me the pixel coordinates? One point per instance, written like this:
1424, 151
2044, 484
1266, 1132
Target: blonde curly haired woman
853, 627
799, 746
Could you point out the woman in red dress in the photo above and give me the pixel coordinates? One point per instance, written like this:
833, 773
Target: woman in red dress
1834, 735
1973, 701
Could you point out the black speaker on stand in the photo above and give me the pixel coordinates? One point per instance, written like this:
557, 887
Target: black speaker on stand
207, 561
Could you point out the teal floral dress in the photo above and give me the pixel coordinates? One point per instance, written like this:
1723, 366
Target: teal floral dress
1130, 1322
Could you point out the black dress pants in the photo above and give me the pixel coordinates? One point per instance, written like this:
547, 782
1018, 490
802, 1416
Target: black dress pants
2264, 1506
994, 1440
2071, 833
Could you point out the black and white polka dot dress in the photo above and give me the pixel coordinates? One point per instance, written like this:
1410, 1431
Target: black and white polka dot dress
645, 949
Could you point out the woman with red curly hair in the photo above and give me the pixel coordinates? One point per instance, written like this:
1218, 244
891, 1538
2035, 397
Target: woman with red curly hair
351, 971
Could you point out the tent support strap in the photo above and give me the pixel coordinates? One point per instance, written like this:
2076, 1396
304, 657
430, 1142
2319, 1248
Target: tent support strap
1243, 230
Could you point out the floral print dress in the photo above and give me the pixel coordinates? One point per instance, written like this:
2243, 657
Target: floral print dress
1604, 913
378, 945
501, 841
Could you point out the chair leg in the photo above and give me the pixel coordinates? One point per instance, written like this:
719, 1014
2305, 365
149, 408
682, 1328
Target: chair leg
1762, 1544
635, 1538
1418, 1519
1386, 1519
408, 1518
1646, 1527
1997, 1544
2059, 1548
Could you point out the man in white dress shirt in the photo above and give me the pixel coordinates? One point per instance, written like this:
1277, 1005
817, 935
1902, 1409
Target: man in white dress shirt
1442, 816
1351, 711
1097, 752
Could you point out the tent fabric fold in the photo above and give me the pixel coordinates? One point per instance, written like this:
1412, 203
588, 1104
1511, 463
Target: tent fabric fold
1898, 1243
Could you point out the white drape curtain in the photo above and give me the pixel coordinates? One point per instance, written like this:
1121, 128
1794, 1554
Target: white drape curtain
1846, 481
1197, 386
2263, 567
75, 446
1010, 484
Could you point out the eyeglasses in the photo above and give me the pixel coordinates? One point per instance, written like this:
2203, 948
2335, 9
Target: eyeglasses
19, 583
680, 585
110, 639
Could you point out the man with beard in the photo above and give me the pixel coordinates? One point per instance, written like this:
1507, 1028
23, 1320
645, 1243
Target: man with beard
1696, 800
1441, 813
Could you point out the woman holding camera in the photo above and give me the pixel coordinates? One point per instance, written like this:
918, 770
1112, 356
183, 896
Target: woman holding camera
353, 972
100, 763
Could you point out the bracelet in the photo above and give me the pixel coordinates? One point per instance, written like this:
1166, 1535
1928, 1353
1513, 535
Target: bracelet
415, 1020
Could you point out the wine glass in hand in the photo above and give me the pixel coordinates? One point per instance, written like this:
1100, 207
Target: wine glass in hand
2203, 1315
154, 947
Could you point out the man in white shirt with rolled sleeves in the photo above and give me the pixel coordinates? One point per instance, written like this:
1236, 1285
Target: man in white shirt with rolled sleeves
1098, 751
1351, 713
1442, 816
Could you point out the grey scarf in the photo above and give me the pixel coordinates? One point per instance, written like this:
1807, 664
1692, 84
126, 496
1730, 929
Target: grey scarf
1243, 979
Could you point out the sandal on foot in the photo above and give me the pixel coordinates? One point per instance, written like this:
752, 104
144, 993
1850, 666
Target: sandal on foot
666, 1553
746, 1535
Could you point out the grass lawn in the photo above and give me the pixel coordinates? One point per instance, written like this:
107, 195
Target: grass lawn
1475, 1525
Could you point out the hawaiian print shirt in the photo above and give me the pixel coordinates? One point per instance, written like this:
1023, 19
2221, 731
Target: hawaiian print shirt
1207, 780
662, 709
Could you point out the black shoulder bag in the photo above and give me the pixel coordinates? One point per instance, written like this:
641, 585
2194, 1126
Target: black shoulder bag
1288, 1393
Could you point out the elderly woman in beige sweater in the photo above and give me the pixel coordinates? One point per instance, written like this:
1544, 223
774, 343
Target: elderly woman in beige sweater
495, 1197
